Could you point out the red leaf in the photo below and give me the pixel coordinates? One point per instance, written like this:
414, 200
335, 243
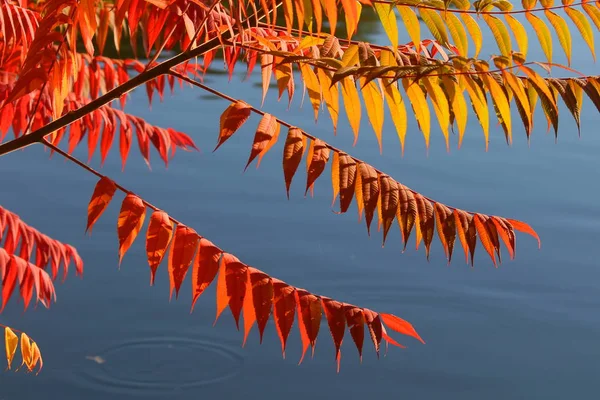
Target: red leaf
284, 309
131, 219
373, 322
262, 298
356, 324
318, 155
103, 194
334, 312
181, 254
309, 319
160, 232
206, 266
401, 326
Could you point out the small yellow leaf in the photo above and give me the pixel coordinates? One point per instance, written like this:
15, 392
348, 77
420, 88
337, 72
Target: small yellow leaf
397, 111
584, 27
519, 33
412, 25
312, 86
335, 176
374, 105
474, 32
11, 341
457, 31
435, 24
562, 31
440, 105
330, 95
388, 21
500, 34
543, 34
419, 105
479, 105
351, 104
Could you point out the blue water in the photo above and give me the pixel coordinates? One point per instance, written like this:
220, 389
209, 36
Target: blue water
528, 329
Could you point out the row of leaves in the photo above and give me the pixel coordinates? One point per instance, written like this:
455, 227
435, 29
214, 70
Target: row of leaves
375, 192
31, 355
99, 127
239, 286
328, 69
445, 25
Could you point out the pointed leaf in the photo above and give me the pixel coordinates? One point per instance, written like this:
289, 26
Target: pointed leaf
232, 119
131, 219
103, 194
160, 232
183, 248
205, 268
266, 135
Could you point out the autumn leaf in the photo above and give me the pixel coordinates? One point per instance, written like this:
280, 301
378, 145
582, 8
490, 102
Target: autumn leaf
131, 219
401, 326
160, 232
309, 319
293, 150
336, 319
103, 194
11, 341
265, 137
284, 310
205, 268
183, 248
232, 119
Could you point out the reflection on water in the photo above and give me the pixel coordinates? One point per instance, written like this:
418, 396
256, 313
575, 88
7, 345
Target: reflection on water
526, 330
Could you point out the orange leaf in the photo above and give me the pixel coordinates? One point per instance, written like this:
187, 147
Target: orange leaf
525, 228
401, 326
356, 324
248, 308
347, 180
292, 155
334, 312
426, 220
160, 232
26, 353
466, 233
485, 236
370, 191
232, 119
389, 202
181, 254
103, 194
131, 219
205, 268
507, 234
284, 309
265, 137
318, 156
446, 227
309, 319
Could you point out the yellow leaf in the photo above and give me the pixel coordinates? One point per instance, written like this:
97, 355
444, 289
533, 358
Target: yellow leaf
474, 31
388, 21
521, 97
479, 105
457, 31
11, 341
412, 25
335, 176
330, 95
435, 24
440, 105
593, 12
519, 33
583, 26
500, 34
419, 106
459, 105
288, 14
351, 104
500, 100
350, 56
26, 352
312, 86
562, 31
397, 111
543, 34
374, 104
352, 10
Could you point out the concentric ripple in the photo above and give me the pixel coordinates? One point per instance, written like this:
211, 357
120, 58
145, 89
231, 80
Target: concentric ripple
158, 365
